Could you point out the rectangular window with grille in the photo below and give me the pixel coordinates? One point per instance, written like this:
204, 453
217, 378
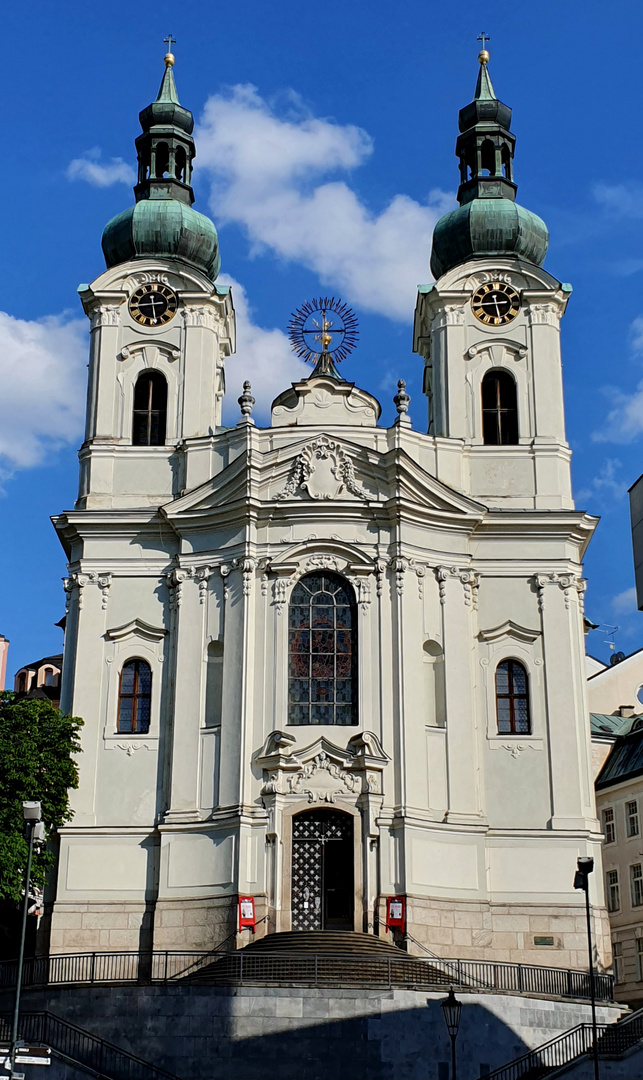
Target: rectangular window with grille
613, 897
639, 959
609, 826
636, 881
617, 961
632, 816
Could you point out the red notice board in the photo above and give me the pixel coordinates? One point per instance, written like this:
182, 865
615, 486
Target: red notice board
247, 912
395, 912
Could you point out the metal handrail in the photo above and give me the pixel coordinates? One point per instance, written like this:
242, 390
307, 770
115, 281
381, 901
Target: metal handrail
167, 966
81, 1047
571, 1044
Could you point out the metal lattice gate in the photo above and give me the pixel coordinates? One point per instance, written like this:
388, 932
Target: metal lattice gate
315, 839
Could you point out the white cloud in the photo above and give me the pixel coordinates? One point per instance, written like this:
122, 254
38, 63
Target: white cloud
624, 420
90, 168
266, 175
606, 483
42, 387
263, 357
620, 199
625, 602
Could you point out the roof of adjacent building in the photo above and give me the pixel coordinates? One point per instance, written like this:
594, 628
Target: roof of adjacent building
611, 724
55, 661
625, 759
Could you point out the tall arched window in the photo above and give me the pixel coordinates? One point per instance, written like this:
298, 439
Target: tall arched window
499, 409
150, 410
512, 698
134, 697
49, 677
322, 647
22, 683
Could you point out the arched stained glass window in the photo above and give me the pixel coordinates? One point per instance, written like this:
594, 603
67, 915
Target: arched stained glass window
512, 698
134, 697
322, 646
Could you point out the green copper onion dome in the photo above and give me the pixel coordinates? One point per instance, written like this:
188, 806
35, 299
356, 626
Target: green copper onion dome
488, 221
162, 222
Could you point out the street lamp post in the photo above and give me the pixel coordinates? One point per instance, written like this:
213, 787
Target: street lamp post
451, 1009
31, 813
585, 867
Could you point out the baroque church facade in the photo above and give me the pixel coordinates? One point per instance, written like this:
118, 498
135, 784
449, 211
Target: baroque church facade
325, 663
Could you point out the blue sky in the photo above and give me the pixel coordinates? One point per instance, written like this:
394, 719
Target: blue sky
325, 153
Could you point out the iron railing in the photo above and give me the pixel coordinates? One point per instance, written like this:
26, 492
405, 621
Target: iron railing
80, 1046
572, 1044
310, 969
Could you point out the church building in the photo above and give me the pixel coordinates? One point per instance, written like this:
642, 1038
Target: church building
327, 663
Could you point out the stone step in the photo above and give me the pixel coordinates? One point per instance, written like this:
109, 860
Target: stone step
326, 941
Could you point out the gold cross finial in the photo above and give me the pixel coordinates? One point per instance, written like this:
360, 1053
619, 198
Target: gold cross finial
483, 55
169, 56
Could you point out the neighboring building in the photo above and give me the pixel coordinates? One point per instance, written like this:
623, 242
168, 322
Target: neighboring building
619, 798
42, 676
616, 716
4, 650
327, 662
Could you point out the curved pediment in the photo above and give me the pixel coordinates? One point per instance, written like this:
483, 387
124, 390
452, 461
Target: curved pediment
136, 628
509, 629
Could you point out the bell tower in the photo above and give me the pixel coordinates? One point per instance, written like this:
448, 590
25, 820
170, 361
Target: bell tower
161, 328
489, 329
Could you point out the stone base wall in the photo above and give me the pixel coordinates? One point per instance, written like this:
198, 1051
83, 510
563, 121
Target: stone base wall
259, 1033
479, 931
196, 924
90, 927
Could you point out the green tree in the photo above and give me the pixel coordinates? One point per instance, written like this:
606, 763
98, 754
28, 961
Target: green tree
37, 741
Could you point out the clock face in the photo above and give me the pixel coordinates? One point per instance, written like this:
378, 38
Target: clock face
153, 305
495, 303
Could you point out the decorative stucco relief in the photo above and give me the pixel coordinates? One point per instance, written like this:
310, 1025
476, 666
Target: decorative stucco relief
469, 580
324, 470
568, 583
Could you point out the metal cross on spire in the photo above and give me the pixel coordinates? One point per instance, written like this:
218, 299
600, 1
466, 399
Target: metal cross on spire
484, 38
169, 41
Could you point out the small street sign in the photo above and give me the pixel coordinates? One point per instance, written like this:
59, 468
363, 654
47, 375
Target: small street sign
26, 1055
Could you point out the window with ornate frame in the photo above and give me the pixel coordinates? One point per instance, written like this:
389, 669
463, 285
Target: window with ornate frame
134, 697
322, 651
512, 698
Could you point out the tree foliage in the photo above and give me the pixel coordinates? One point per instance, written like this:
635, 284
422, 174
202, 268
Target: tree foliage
37, 741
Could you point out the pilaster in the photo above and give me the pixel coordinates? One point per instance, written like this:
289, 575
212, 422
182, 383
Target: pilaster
188, 595
457, 598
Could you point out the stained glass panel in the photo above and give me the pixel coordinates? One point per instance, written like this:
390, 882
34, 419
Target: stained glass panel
512, 698
322, 660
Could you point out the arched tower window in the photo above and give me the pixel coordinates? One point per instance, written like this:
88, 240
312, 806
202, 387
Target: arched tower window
512, 698
150, 410
179, 164
499, 409
488, 158
322, 648
162, 159
134, 697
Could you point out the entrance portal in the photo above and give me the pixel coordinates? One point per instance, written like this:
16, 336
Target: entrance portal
322, 870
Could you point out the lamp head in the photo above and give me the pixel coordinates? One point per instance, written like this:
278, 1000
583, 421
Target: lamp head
31, 811
451, 1009
585, 866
